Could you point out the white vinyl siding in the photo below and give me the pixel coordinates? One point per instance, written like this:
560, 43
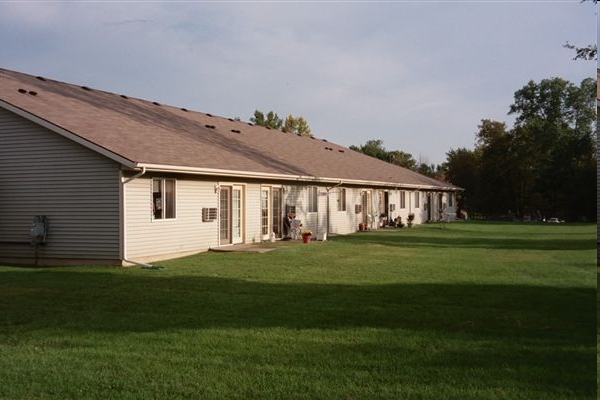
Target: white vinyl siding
146, 239
42, 173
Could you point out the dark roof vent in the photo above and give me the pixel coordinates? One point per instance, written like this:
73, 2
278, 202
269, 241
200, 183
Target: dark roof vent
86, 88
123, 96
250, 123
325, 140
210, 126
341, 151
31, 92
209, 115
22, 91
41, 78
268, 127
236, 131
156, 103
231, 119
184, 109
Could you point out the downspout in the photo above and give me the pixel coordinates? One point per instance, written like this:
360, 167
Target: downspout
328, 211
124, 218
142, 172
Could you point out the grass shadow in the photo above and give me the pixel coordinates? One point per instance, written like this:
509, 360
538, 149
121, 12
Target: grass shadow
115, 302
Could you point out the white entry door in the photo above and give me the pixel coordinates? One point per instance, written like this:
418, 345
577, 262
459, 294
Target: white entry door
231, 214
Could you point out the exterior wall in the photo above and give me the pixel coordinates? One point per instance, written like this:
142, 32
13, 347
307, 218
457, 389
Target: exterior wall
42, 173
252, 220
150, 240
344, 222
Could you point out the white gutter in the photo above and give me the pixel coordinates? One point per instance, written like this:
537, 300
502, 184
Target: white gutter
124, 213
329, 189
295, 178
142, 172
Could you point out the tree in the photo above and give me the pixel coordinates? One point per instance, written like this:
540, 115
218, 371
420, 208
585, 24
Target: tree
297, 125
272, 120
544, 166
589, 52
555, 119
462, 169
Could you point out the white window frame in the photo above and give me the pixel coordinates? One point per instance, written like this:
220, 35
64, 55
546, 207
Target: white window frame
402, 199
313, 199
341, 199
164, 202
417, 199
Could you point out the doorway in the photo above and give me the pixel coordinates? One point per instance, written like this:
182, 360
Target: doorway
271, 202
231, 215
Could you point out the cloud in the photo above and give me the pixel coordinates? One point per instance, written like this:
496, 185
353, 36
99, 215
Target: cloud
419, 76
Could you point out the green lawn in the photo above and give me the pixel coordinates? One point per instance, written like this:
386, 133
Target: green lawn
441, 311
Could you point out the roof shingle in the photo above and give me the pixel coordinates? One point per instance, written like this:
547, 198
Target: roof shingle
147, 132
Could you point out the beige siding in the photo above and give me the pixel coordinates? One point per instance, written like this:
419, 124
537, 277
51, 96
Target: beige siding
42, 173
253, 214
147, 239
344, 222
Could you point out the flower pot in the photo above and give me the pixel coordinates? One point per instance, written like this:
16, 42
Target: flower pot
306, 238
362, 227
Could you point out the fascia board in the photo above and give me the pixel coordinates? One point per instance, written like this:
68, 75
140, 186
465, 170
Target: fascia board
283, 177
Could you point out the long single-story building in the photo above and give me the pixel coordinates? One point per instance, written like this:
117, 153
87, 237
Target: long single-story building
88, 176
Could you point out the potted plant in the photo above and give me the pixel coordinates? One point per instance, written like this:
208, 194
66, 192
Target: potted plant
306, 236
410, 219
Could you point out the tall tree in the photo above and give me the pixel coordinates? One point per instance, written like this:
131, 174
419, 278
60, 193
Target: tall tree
555, 119
271, 120
297, 125
463, 168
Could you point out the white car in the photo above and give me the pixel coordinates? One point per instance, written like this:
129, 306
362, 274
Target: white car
553, 221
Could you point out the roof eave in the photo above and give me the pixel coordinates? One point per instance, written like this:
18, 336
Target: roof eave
284, 177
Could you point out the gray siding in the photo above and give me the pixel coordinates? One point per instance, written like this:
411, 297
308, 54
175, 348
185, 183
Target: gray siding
43, 173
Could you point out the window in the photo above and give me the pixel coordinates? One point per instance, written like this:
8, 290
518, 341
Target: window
417, 200
163, 198
312, 199
450, 199
402, 199
342, 199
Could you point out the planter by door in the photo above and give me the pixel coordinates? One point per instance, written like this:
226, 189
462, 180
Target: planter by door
306, 238
362, 227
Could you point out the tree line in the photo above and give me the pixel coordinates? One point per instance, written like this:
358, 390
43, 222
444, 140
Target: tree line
543, 166
296, 125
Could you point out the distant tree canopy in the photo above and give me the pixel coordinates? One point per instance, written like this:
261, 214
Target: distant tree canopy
545, 166
375, 148
297, 125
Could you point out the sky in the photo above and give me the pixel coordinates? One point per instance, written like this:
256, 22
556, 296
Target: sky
418, 75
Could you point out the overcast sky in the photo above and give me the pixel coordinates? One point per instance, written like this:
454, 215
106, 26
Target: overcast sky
418, 75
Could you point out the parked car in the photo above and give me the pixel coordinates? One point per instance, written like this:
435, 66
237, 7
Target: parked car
554, 221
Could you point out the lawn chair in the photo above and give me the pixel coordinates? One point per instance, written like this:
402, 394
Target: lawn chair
295, 229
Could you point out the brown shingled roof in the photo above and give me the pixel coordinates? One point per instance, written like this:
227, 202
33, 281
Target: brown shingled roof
148, 133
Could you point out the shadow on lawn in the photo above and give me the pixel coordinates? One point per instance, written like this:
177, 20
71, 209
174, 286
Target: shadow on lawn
127, 302
438, 239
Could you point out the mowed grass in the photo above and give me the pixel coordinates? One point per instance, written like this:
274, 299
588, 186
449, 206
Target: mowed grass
441, 311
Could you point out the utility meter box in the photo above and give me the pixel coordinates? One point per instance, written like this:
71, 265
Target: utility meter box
38, 230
